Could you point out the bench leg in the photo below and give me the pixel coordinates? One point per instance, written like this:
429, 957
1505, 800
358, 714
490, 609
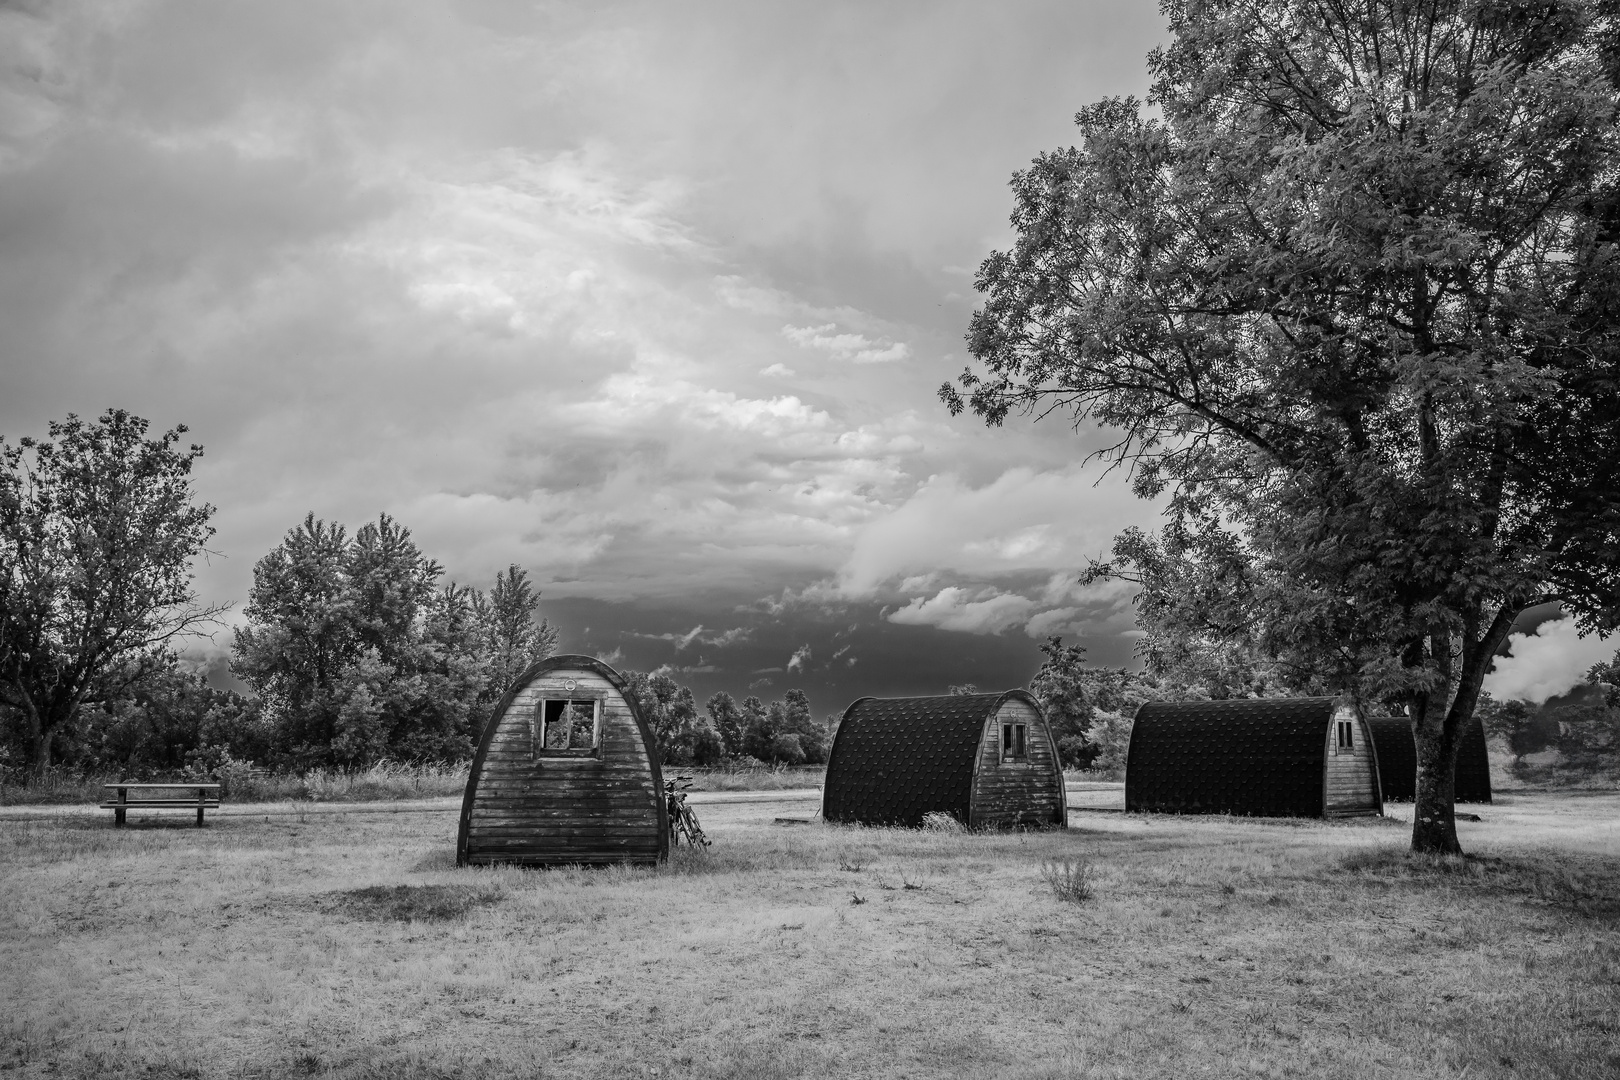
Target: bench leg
199, 817
118, 817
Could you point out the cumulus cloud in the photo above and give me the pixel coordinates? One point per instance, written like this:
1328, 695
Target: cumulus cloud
728, 637
857, 348
1024, 520
983, 612
680, 641
800, 659
1101, 607
1546, 663
777, 370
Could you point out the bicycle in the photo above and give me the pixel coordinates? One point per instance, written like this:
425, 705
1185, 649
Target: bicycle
682, 821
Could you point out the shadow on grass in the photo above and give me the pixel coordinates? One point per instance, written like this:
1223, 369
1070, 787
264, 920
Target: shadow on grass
439, 859
1586, 885
415, 903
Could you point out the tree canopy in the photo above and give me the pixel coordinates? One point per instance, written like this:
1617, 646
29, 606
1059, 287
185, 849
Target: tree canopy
358, 652
1346, 290
99, 527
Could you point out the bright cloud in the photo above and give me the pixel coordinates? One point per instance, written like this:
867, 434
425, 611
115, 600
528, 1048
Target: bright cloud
1547, 663
1024, 520
988, 610
984, 612
800, 658
857, 348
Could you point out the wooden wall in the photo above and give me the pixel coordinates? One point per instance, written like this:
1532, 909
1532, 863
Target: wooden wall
557, 810
1349, 782
1011, 793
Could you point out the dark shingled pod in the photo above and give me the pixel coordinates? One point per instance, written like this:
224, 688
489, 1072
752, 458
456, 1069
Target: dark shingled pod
1397, 760
895, 760
1262, 757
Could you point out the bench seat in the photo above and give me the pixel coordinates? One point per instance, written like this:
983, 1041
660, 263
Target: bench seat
201, 797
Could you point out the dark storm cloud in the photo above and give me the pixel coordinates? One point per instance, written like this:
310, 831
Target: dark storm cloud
650, 299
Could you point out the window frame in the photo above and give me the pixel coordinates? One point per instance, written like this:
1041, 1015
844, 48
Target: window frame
1014, 741
1344, 736
537, 721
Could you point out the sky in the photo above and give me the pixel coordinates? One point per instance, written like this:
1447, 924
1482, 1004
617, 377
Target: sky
649, 299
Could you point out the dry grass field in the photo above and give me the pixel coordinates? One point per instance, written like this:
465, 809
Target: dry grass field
348, 945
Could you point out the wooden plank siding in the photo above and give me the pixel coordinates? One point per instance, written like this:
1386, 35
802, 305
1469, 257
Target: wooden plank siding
1350, 776
1007, 794
528, 808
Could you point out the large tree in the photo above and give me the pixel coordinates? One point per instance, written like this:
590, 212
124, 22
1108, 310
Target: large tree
98, 530
1348, 293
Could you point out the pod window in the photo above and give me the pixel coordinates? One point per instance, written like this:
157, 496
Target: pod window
1014, 742
1346, 737
568, 727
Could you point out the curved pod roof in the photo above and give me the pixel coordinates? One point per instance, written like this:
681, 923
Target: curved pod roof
1397, 760
1265, 757
538, 807
896, 760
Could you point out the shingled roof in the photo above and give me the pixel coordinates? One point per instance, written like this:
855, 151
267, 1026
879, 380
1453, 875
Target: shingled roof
1397, 760
897, 759
1246, 756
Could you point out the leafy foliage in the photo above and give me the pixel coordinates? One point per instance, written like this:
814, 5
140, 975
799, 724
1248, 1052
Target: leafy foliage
98, 531
358, 653
1351, 303
783, 733
683, 737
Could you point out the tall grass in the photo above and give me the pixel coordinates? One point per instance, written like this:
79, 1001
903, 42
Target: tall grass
386, 781
751, 777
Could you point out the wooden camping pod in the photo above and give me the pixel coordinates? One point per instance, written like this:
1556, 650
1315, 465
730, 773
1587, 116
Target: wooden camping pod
988, 760
1397, 760
1272, 757
566, 772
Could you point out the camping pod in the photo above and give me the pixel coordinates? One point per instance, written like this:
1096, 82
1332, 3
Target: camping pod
1397, 760
987, 760
1272, 757
566, 772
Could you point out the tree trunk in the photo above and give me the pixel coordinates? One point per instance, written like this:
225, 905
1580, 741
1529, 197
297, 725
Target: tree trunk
42, 750
1434, 820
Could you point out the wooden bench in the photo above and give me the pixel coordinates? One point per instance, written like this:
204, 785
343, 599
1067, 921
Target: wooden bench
206, 797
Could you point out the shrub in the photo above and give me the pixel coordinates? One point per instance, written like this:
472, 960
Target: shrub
1069, 879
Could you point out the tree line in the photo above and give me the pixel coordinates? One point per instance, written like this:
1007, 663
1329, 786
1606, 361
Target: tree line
356, 648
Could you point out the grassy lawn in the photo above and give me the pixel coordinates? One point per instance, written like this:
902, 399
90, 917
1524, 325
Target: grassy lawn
348, 945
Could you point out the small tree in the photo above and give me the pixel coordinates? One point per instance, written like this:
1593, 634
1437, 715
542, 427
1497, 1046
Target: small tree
727, 720
516, 635
98, 530
759, 729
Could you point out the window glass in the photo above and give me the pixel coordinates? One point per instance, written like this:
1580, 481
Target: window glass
1014, 738
569, 725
